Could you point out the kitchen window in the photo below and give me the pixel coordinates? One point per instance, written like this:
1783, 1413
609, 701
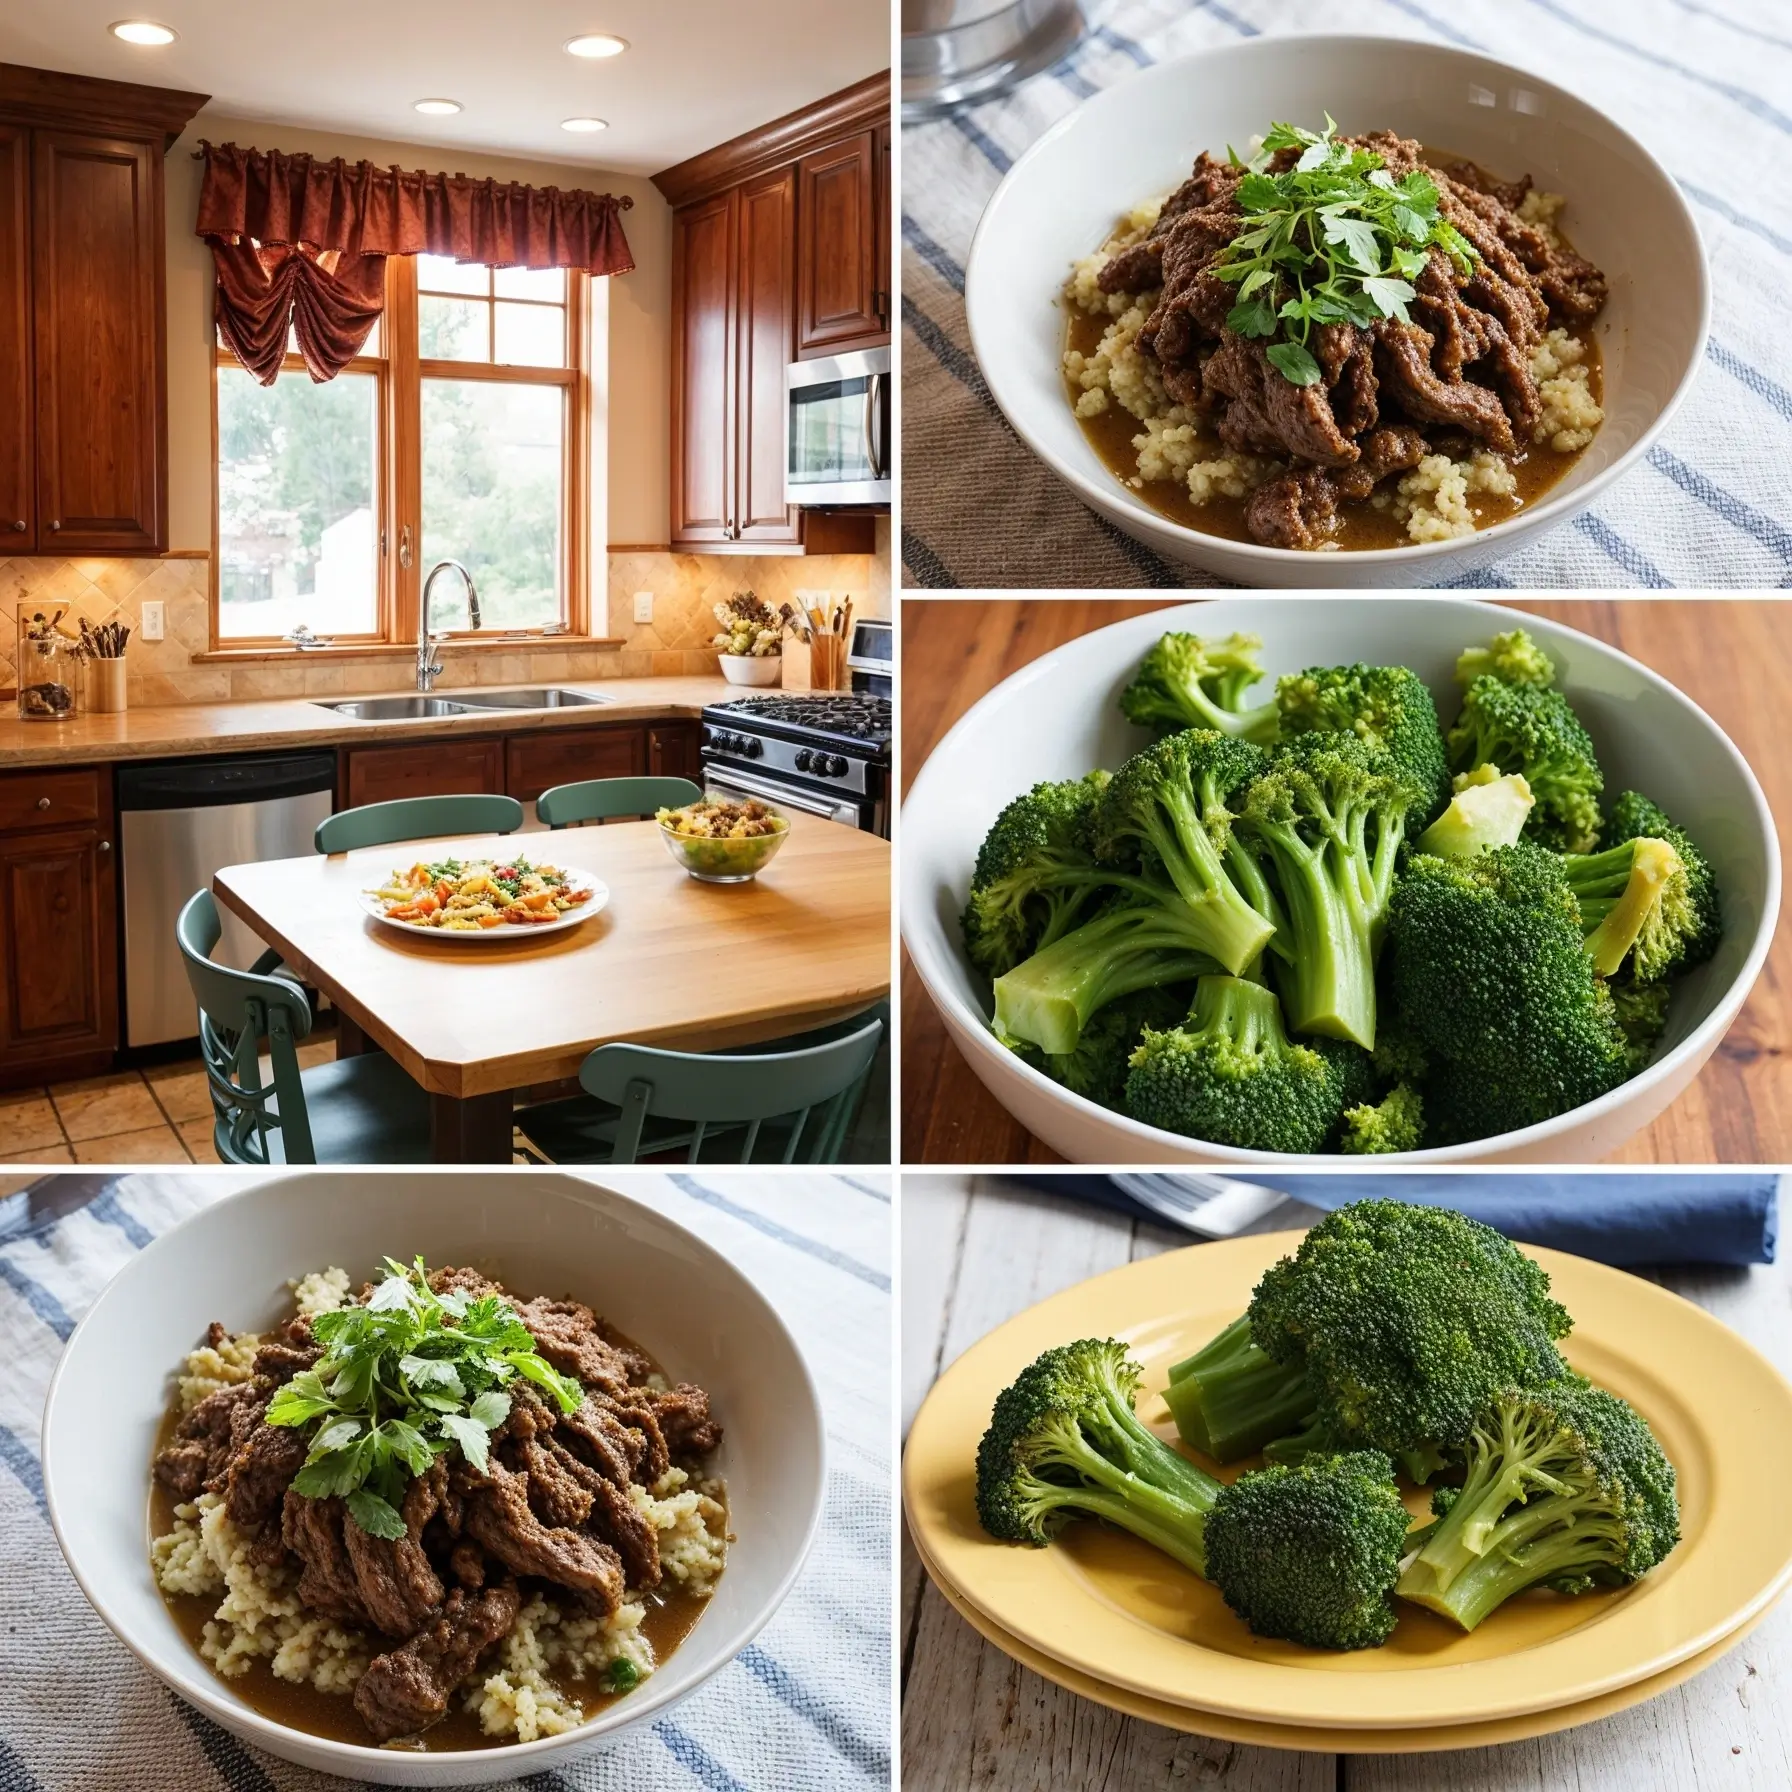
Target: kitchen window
461, 432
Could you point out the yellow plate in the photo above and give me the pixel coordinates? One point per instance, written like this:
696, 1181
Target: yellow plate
1333, 1741
1106, 1605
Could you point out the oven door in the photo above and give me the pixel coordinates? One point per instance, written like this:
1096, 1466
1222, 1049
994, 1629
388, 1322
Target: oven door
837, 431
731, 781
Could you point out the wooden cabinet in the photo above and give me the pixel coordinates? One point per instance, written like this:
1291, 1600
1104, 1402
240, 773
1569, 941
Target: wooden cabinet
58, 926
431, 768
537, 762
780, 250
83, 314
18, 511
675, 750
839, 306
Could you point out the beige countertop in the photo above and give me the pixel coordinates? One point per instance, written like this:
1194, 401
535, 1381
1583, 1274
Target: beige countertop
187, 730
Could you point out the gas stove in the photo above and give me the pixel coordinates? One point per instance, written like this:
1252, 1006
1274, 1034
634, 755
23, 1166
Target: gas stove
827, 753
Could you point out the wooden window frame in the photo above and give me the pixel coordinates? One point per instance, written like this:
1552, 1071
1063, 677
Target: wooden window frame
400, 371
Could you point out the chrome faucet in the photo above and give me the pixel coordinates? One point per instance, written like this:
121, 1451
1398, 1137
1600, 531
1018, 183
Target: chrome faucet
429, 666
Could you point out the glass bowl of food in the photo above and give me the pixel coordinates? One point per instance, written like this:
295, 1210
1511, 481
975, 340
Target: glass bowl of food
723, 843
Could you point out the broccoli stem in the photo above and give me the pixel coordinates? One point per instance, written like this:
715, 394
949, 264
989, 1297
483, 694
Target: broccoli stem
1325, 959
1229, 1399
1618, 891
1046, 1000
1235, 931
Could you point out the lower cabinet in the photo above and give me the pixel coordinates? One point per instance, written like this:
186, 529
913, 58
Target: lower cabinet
58, 933
431, 768
537, 762
675, 750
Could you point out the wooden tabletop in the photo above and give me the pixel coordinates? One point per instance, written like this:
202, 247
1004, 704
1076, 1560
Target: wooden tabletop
670, 961
976, 1251
1734, 659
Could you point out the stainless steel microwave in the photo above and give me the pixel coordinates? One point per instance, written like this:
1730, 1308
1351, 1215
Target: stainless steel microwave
838, 430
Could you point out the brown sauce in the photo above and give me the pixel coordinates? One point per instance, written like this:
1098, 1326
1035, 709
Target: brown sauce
671, 1616
1361, 525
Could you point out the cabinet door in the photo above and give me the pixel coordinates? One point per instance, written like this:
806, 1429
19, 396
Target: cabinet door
431, 768
59, 948
18, 532
537, 762
884, 197
101, 423
837, 264
704, 238
674, 750
765, 335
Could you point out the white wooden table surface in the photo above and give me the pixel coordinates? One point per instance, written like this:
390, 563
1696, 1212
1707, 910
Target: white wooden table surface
975, 1251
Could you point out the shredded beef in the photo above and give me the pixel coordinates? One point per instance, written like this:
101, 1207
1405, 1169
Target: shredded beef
685, 1421
328, 1583
207, 1437
397, 1585
260, 1472
498, 1517
1298, 510
408, 1689
567, 1334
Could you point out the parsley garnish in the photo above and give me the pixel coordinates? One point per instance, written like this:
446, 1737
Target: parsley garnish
404, 1379
1334, 239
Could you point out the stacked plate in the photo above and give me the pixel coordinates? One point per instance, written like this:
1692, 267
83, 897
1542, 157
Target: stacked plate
1107, 1617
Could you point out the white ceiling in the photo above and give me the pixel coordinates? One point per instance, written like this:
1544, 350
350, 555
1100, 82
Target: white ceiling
697, 72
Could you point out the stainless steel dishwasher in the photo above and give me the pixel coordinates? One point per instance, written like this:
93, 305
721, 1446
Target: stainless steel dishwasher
180, 822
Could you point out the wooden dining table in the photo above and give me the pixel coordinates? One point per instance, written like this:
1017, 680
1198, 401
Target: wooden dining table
669, 961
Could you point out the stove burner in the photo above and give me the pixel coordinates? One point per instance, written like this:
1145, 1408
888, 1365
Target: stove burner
846, 713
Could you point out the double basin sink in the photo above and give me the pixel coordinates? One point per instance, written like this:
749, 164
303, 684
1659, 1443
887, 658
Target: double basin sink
470, 703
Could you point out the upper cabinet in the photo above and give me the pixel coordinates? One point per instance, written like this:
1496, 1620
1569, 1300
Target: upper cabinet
83, 318
780, 252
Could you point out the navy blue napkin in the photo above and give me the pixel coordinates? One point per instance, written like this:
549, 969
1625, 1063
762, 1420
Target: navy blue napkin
1623, 1217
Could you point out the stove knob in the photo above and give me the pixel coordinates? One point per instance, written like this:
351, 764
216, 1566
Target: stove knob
803, 758
753, 748
838, 768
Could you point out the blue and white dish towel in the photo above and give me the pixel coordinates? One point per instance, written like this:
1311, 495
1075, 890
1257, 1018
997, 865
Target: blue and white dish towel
805, 1707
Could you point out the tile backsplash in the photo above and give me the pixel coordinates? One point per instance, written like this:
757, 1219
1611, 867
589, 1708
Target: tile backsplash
684, 587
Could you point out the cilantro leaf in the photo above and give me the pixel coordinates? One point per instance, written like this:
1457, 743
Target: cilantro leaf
1389, 296
1293, 363
376, 1516
474, 1438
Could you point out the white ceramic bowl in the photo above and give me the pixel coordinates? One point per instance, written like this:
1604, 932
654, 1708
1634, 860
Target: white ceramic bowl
674, 1294
1059, 717
1140, 137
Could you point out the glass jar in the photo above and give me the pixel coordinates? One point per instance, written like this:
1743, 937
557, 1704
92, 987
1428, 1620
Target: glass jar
49, 669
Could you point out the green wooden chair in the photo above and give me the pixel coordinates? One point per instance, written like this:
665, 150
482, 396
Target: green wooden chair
603, 799
418, 818
363, 1110
791, 1101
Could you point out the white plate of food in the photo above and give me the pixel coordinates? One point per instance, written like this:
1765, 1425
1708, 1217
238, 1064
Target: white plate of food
272, 1610
485, 899
1100, 244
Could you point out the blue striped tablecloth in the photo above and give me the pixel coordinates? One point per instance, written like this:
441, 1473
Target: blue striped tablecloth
1708, 86
806, 1706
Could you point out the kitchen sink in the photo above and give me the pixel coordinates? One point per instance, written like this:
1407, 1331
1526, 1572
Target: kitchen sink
535, 699
397, 709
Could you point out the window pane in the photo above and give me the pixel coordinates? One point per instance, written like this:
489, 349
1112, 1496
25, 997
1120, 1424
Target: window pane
491, 497
442, 273
531, 283
297, 518
531, 335
453, 330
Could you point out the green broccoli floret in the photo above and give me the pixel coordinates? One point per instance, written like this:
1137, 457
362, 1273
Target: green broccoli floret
1526, 728
1633, 816
1186, 682
1327, 819
1512, 657
1489, 808
1565, 1487
1395, 1123
1388, 707
1488, 976
1311, 1554
1229, 1399
1097, 1067
1408, 1319
1230, 1074
1065, 1443
1641, 1010
1035, 875
1636, 906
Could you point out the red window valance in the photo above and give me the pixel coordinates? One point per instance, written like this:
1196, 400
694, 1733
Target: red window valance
306, 241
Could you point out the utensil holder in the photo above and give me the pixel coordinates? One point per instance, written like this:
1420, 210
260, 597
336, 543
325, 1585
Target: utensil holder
106, 686
827, 661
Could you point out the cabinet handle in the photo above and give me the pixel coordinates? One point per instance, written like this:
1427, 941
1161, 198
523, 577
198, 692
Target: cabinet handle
104, 846
18, 528
55, 527
43, 802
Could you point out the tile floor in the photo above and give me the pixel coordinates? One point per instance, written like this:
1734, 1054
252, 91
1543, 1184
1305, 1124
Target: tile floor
162, 1115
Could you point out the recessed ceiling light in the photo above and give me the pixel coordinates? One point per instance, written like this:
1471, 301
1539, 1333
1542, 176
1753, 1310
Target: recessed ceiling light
584, 124
142, 31
436, 108
595, 44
